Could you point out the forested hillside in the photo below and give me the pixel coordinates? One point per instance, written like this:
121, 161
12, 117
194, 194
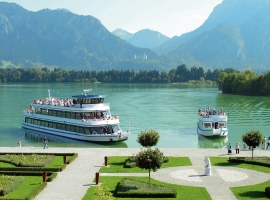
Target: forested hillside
59, 38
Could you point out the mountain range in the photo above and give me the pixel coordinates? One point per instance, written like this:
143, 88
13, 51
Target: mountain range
59, 38
145, 38
235, 35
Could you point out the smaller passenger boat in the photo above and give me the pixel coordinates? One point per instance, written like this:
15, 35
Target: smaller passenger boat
212, 122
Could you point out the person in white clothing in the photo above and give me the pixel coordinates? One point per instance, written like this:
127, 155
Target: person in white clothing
237, 147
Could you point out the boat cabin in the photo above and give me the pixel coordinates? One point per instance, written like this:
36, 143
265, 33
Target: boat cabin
88, 99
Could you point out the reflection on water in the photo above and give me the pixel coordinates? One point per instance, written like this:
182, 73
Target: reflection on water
213, 142
35, 138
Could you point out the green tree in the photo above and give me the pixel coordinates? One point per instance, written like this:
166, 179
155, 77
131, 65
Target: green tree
253, 139
149, 159
148, 138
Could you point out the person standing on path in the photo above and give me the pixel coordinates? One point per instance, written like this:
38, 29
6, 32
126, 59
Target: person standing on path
229, 147
19, 143
263, 143
237, 147
45, 143
268, 142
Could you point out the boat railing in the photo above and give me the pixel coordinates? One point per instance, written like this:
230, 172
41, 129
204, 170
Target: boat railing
100, 119
66, 103
207, 114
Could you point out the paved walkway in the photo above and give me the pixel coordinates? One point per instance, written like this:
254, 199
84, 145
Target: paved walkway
74, 181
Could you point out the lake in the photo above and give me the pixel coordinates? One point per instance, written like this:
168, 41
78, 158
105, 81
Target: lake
169, 109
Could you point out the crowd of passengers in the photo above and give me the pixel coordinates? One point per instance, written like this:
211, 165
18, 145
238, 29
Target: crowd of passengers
55, 102
207, 112
95, 117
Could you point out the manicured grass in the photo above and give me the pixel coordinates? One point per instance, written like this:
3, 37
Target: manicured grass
245, 192
57, 162
117, 163
251, 192
183, 192
223, 161
3, 164
29, 184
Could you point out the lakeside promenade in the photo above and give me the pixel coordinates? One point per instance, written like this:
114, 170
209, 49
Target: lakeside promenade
78, 176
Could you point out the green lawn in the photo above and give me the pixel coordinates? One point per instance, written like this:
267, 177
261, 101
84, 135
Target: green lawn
116, 165
29, 184
223, 161
57, 162
183, 192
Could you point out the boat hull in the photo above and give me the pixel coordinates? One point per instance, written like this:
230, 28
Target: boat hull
220, 132
77, 136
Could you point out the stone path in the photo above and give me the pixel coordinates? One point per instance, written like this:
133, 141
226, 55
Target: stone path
74, 181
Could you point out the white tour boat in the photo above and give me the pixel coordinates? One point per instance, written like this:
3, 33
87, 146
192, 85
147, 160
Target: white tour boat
84, 117
212, 122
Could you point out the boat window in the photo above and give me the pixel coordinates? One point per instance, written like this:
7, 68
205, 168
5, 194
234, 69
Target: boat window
81, 130
222, 125
63, 114
77, 129
28, 120
58, 126
54, 125
73, 115
44, 111
59, 114
68, 127
72, 128
78, 116
63, 127
208, 125
96, 130
87, 130
50, 113
55, 113
68, 115
37, 110
45, 124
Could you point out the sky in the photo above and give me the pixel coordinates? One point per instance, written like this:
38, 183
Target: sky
169, 17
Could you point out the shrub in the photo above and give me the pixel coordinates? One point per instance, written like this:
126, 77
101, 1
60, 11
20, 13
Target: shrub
9, 183
267, 191
136, 189
103, 193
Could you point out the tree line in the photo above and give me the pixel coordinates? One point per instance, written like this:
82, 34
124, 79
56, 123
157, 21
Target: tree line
180, 74
244, 83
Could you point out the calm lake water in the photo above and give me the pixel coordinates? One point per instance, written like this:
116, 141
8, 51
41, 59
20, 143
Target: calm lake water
170, 109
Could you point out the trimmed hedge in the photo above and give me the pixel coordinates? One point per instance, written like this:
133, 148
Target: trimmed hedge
135, 189
131, 162
71, 158
11, 187
267, 191
50, 175
37, 191
261, 161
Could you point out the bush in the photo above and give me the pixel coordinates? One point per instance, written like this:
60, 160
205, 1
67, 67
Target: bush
135, 189
165, 159
261, 161
12, 182
267, 191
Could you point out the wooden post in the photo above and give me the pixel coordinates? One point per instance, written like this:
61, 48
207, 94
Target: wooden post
97, 178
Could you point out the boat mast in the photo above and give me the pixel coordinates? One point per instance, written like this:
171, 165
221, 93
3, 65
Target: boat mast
86, 90
49, 94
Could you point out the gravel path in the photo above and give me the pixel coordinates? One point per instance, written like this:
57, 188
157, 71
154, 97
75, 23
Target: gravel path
74, 181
